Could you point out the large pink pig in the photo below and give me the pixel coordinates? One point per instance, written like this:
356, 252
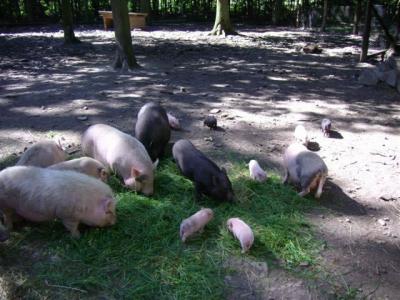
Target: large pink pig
42, 154
121, 153
242, 232
85, 165
195, 223
39, 194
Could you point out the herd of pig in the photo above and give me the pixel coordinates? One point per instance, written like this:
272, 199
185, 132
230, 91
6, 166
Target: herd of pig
44, 185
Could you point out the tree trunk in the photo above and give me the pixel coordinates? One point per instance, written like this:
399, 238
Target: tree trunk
357, 16
125, 59
389, 37
277, 12
67, 22
222, 23
324, 16
298, 13
367, 31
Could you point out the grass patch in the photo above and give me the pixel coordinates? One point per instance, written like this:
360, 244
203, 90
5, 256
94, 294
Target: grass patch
141, 257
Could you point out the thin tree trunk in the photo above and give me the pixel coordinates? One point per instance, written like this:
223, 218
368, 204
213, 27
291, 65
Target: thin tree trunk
125, 59
367, 31
357, 17
67, 22
222, 23
324, 16
390, 38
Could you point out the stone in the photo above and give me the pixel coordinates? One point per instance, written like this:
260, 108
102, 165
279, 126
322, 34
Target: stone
208, 139
348, 220
368, 77
82, 118
382, 222
304, 264
386, 219
215, 110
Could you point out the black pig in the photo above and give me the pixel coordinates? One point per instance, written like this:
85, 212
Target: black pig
207, 177
152, 129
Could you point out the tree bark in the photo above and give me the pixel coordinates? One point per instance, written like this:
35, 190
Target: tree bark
125, 59
277, 12
367, 31
324, 16
222, 23
67, 22
357, 16
390, 38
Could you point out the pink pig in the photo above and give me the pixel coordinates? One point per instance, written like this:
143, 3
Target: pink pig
301, 135
195, 223
256, 172
42, 154
41, 194
242, 232
173, 122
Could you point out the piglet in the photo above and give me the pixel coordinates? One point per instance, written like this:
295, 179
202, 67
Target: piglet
121, 153
305, 169
85, 165
326, 127
256, 172
242, 232
195, 223
42, 194
173, 122
211, 122
301, 135
42, 154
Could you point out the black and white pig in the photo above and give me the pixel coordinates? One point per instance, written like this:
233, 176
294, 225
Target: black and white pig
207, 177
305, 169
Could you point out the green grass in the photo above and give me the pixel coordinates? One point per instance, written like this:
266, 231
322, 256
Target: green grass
142, 257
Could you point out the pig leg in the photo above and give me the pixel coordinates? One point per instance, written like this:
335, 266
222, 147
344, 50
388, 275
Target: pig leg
72, 226
285, 177
320, 186
198, 191
8, 219
304, 192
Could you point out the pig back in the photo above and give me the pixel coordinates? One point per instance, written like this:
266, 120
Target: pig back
42, 154
309, 165
152, 129
117, 150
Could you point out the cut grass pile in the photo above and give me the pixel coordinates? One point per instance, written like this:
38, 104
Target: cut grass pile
142, 257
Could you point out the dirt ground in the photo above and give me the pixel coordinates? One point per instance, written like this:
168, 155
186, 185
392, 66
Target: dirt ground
263, 86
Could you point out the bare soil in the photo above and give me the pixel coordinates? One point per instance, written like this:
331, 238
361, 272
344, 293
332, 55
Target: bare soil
264, 86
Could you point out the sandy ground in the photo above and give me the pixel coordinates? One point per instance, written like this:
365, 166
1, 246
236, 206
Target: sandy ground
263, 86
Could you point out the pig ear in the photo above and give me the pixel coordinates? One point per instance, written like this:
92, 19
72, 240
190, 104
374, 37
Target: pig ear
135, 173
107, 204
155, 164
223, 170
102, 172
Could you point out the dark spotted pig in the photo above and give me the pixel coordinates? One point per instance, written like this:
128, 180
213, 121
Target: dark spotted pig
207, 177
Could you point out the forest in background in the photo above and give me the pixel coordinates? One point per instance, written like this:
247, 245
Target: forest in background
299, 13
